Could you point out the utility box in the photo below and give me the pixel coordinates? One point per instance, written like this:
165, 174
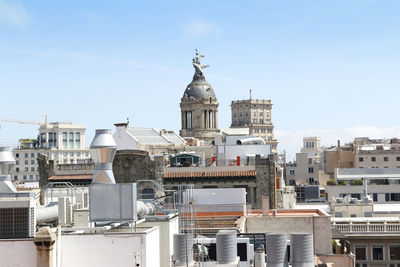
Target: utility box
112, 202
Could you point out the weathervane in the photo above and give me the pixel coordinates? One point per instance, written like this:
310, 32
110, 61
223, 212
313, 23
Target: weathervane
196, 62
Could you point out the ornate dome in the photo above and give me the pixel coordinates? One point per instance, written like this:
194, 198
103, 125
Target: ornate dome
199, 88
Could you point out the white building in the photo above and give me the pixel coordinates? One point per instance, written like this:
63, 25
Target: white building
147, 139
59, 141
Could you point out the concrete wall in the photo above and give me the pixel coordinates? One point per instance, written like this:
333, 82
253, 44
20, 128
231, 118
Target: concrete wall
17, 253
112, 249
319, 226
168, 228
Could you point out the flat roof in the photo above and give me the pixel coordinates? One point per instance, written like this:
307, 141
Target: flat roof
367, 173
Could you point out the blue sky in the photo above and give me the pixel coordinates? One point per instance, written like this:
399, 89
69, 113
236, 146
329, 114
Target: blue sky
331, 68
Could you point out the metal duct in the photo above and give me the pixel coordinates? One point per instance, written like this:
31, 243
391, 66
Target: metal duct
144, 208
276, 250
302, 250
46, 214
103, 148
183, 245
7, 162
251, 141
226, 246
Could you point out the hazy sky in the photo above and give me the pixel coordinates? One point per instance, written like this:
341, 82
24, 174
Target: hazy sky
331, 68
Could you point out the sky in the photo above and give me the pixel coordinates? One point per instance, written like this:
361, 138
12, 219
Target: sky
330, 68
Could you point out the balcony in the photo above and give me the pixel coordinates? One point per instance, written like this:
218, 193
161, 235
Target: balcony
367, 225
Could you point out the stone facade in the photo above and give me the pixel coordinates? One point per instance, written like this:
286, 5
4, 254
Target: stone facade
257, 116
266, 180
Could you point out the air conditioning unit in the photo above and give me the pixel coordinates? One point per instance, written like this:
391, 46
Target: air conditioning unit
18, 218
64, 211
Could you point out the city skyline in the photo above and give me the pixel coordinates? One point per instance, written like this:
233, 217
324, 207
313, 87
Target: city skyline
330, 69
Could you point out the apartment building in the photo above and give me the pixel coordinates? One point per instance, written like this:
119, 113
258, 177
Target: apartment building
59, 141
257, 116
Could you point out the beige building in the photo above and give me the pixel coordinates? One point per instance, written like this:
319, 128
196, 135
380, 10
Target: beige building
199, 107
257, 116
59, 141
376, 153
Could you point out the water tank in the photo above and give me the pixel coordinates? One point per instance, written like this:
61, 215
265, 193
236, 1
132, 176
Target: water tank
302, 250
226, 246
183, 245
276, 250
103, 149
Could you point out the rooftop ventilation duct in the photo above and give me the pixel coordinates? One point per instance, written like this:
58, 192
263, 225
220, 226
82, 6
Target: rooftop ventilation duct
303, 251
7, 162
226, 246
251, 141
103, 148
276, 250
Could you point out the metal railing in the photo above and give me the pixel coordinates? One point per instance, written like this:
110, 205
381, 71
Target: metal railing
368, 228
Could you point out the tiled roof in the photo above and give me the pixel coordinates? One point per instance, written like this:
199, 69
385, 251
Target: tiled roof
200, 174
71, 177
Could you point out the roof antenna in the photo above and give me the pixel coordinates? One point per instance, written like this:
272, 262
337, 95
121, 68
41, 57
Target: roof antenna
250, 94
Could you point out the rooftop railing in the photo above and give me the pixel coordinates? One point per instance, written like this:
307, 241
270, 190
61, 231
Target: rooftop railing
368, 228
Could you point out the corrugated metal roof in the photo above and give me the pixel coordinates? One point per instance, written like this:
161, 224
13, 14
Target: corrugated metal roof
194, 174
71, 177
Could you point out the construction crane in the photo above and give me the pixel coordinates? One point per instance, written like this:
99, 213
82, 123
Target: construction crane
26, 122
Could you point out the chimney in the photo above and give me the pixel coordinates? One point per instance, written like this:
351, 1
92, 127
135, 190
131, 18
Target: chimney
103, 149
265, 205
44, 241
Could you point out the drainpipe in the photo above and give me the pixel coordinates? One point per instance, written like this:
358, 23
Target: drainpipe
44, 241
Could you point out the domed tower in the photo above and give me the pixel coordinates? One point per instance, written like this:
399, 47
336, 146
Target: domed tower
199, 106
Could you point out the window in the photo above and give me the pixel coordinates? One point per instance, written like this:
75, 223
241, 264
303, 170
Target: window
32, 162
360, 159
361, 265
292, 182
31, 177
24, 177
64, 139
71, 140
26, 169
17, 162
32, 155
71, 154
353, 215
26, 155
385, 158
78, 140
26, 162
397, 158
395, 197
367, 214
377, 252
43, 140
17, 155
291, 172
16, 169
310, 170
78, 154
387, 197
261, 114
310, 161
375, 197
394, 252
338, 214
65, 154
373, 159
311, 180
33, 169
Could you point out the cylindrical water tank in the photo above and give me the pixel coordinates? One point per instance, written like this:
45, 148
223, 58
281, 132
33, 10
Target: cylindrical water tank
226, 246
302, 250
183, 245
46, 214
276, 250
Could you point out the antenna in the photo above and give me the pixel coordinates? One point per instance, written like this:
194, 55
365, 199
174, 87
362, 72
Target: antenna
250, 94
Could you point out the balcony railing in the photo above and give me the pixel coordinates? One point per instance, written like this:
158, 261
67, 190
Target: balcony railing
368, 228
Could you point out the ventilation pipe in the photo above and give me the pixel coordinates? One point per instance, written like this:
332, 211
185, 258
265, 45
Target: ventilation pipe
144, 208
103, 149
303, 252
251, 141
7, 162
183, 246
276, 250
226, 246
